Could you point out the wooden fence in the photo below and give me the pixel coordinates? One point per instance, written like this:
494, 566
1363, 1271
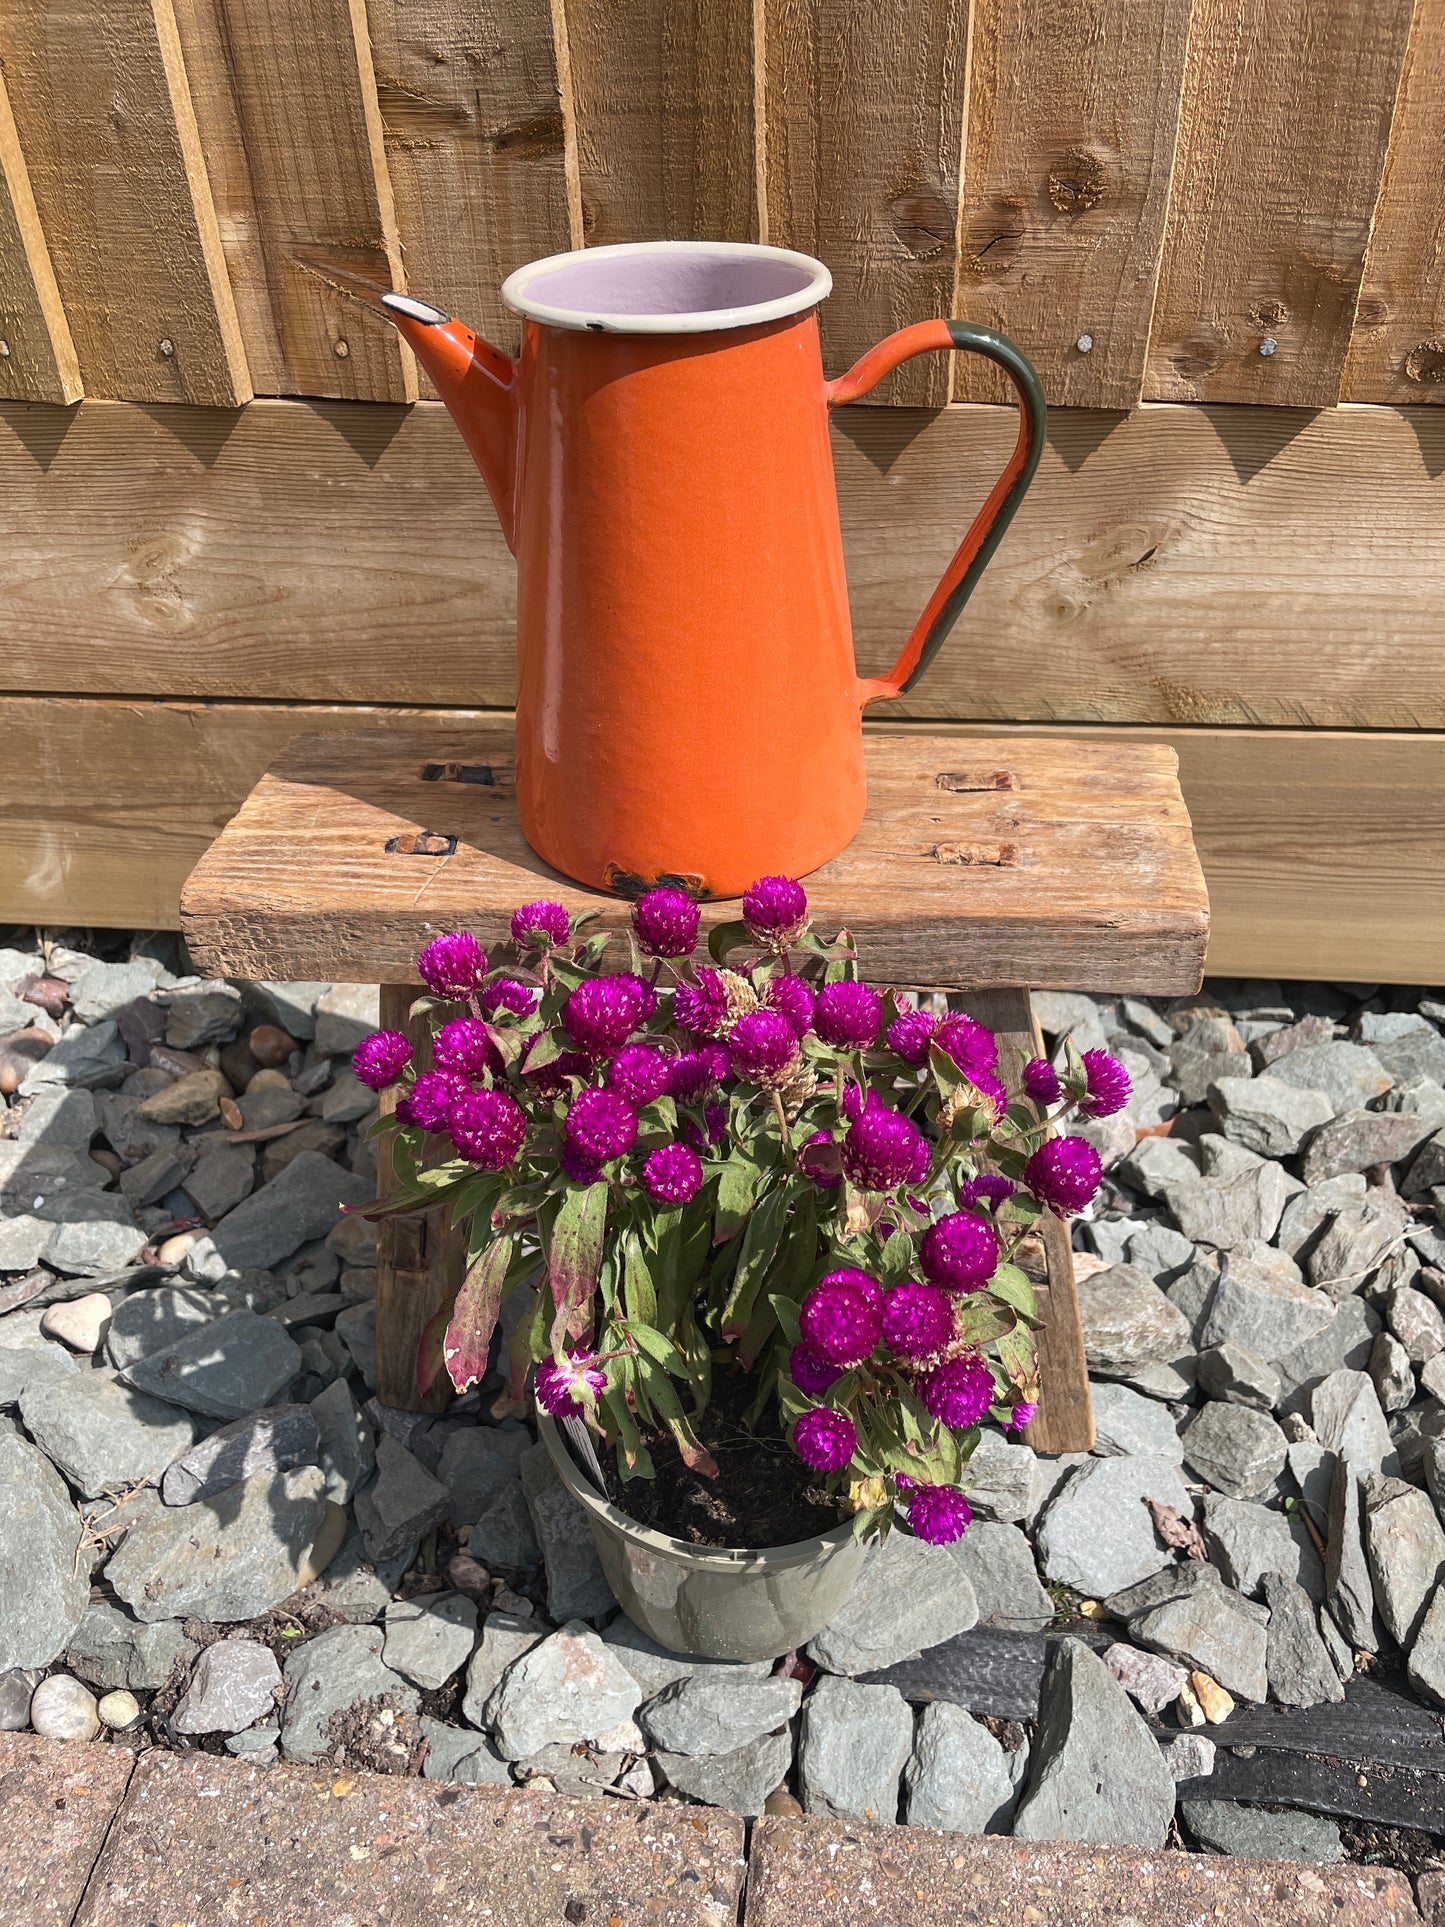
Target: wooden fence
1216, 226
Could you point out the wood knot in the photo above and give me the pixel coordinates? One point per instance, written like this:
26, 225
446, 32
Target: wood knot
994, 241
1268, 314
1128, 546
1426, 361
976, 779
1200, 353
1076, 181
1372, 311
923, 222
994, 856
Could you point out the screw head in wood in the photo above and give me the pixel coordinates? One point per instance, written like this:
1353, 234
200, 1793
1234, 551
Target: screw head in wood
341, 350
1268, 345
167, 347
1085, 344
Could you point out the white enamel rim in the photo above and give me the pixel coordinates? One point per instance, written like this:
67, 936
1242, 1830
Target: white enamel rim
818, 285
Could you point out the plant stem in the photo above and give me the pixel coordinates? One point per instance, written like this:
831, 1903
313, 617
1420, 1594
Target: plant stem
781, 1115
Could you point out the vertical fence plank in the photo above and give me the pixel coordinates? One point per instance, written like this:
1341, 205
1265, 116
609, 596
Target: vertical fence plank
1397, 352
663, 98
37, 355
1282, 138
286, 98
1072, 113
104, 118
864, 123
474, 141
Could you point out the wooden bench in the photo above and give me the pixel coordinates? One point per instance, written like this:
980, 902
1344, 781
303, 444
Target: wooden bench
983, 866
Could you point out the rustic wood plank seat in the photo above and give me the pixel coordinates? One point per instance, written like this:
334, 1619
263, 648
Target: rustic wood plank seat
983, 866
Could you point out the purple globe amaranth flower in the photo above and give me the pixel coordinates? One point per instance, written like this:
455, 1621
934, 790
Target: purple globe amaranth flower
463, 1045
826, 1171
642, 991
601, 1013
673, 1173
488, 1128
576, 1165
561, 1383
847, 1015
430, 1098
702, 1007
922, 1158
917, 1319
959, 1252
380, 1059
959, 1391
794, 999
601, 1124
842, 1316
881, 1150
824, 1438
509, 993
691, 1075
666, 922
1022, 1415
640, 1073
1041, 1081
971, 1045
713, 1131
453, 965
811, 1372
910, 1034
543, 925
1108, 1085
856, 1100
550, 1079
764, 1047
938, 1514
989, 1188
1064, 1174
775, 910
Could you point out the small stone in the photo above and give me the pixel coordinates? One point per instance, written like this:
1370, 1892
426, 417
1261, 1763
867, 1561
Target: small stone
909, 1596
235, 1683
1406, 1549
257, 1744
1414, 1056
81, 1324
1348, 1422
269, 1441
101, 1434
1128, 1321
999, 1564
1428, 1169
1349, 1588
430, 1638
569, 1687
1128, 1425
1097, 1534
344, 1015
17, 1689
112, 1649
22, 1239
958, 1777
44, 1582
1196, 1065
1238, 1376
1002, 1478
1156, 1162
654, 1666
1150, 1680
1426, 1666
1308, 1210
329, 1675
783, 1803
477, 1463
1247, 1541
1096, 1772
94, 1237
1229, 1212
1417, 1322
1072, 1014
1358, 1139
457, 1754
505, 1639
347, 1100
1190, 1757
710, 1713
208, 1013
1266, 1114
1215, 1704
85, 1058
1355, 1240
1161, 1253
854, 1744
402, 1503
1226, 1827
1301, 1671
742, 1782
119, 1710
1263, 1304
1193, 1292
223, 1371
1239, 1451
192, 1099
1391, 1373
1187, 1709
105, 989
267, 1105
304, 1202
63, 1709
1215, 1631
1312, 1469
1343, 1345
504, 1536
346, 1452
577, 1588
221, 1178
356, 1328
1350, 1075
156, 1175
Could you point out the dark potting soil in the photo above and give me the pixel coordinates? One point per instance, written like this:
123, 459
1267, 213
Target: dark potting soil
763, 1494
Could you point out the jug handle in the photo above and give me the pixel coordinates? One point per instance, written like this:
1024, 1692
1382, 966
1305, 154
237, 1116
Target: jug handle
986, 530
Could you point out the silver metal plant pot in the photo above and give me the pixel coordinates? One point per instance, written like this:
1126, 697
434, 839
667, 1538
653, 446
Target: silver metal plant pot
715, 1603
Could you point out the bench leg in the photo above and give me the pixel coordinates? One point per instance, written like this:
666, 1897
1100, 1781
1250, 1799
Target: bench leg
1065, 1420
418, 1263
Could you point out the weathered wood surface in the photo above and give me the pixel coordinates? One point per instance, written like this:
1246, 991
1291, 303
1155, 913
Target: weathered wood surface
1194, 566
864, 108
1061, 866
104, 116
38, 362
1282, 136
1072, 111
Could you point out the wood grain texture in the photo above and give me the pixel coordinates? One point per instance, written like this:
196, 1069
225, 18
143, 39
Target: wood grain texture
37, 356
1282, 136
287, 104
1194, 566
1072, 110
472, 113
662, 92
864, 127
1397, 351
104, 116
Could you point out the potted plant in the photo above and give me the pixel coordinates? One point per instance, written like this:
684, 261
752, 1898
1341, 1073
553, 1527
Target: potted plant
761, 1220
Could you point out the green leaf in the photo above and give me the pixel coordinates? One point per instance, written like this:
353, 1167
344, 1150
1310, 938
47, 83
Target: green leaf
633, 1458
430, 1353
786, 1313
724, 937
660, 1349
550, 1045
574, 1251
761, 1243
1017, 1353
1020, 1209
1013, 1287
897, 1258
468, 1339
739, 1182
977, 1321
639, 1293
669, 1409
404, 1166
384, 1125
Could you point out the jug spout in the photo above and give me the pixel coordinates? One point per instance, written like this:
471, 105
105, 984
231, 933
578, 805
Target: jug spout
478, 383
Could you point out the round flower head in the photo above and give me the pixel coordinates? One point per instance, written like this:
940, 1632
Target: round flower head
775, 910
959, 1252
910, 1034
917, 1319
824, 1438
842, 1316
1064, 1174
690, 1076
643, 993
488, 1128
430, 1098
673, 1173
561, 1383
881, 1149
938, 1514
380, 1059
453, 965
847, 1015
1041, 1081
601, 1013
601, 1124
825, 1171
971, 1045
792, 997
640, 1073
959, 1391
922, 1158
989, 1189
702, 1007
540, 926
1021, 1415
764, 1047
715, 1122
854, 1101
811, 1372
576, 1164
1108, 1085
509, 993
666, 922
993, 1097
463, 1045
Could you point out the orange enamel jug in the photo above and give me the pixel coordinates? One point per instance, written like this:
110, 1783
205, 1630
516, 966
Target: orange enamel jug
687, 702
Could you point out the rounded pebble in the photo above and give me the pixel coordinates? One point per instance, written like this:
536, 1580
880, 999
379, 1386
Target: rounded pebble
268, 1080
270, 1045
82, 1324
174, 1249
63, 1709
781, 1801
118, 1710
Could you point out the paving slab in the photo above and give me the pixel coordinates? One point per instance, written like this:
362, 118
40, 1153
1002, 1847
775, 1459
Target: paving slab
821, 1873
214, 1842
56, 1801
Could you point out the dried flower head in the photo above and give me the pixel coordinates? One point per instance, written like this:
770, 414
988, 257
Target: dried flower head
569, 1386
